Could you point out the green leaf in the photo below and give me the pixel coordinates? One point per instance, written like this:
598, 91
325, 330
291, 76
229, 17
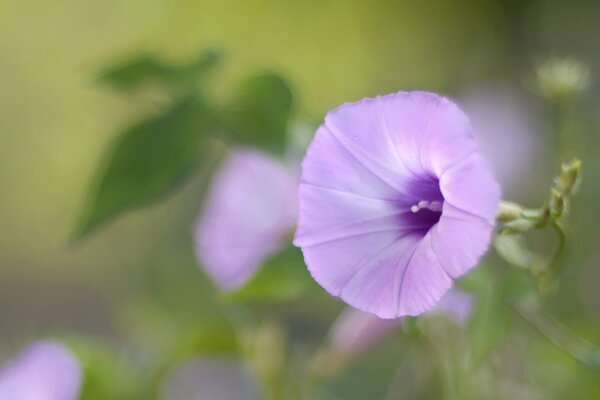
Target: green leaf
149, 70
107, 374
283, 277
148, 162
259, 113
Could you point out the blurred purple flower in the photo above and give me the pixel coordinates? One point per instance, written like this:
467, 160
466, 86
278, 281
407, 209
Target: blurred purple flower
395, 202
354, 332
210, 379
250, 207
456, 304
506, 126
43, 371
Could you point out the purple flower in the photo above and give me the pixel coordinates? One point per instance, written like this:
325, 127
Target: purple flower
455, 304
507, 126
43, 371
250, 208
354, 332
395, 202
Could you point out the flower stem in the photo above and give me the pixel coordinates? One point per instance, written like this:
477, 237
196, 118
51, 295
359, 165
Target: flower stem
561, 337
555, 266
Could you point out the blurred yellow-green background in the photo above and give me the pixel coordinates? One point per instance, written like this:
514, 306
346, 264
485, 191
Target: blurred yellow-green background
56, 121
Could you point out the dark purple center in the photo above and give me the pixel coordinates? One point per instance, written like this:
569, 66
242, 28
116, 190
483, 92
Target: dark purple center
426, 209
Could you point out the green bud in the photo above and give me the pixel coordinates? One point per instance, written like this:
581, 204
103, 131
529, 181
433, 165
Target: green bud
569, 177
508, 211
557, 203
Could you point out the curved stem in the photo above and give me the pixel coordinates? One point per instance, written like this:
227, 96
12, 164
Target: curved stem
561, 337
555, 266
560, 251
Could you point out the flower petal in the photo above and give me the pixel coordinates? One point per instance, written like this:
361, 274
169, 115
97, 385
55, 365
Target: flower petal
470, 186
383, 134
376, 285
44, 371
333, 264
424, 281
459, 240
328, 163
250, 206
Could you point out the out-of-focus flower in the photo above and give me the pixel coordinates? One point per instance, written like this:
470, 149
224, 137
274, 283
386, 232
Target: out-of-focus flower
210, 379
395, 202
506, 126
562, 79
42, 371
355, 332
250, 208
455, 304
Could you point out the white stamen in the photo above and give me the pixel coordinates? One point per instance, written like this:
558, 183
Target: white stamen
435, 206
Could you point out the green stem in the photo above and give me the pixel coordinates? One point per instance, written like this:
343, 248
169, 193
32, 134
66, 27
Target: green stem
561, 337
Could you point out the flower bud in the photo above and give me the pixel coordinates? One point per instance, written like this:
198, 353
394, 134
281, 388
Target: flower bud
562, 79
557, 203
508, 211
569, 176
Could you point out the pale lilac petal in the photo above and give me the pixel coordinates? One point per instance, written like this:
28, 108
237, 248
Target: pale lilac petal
395, 202
459, 239
328, 262
250, 207
361, 129
461, 186
424, 280
376, 286
210, 379
334, 167
42, 371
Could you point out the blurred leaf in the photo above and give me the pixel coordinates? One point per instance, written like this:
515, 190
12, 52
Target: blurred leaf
150, 70
520, 286
176, 285
211, 336
374, 375
490, 318
107, 375
259, 113
147, 162
283, 277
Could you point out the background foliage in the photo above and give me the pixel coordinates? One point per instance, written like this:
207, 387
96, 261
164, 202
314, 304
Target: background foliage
86, 88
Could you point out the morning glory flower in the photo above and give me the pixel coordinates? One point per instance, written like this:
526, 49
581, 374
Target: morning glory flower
395, 202
42, 371
250, 207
